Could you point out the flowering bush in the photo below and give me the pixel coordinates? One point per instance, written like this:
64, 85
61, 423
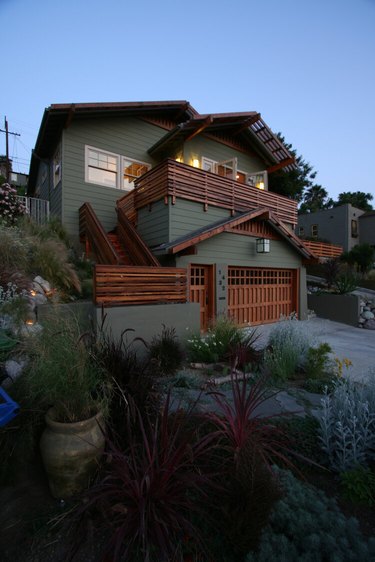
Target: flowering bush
10, 206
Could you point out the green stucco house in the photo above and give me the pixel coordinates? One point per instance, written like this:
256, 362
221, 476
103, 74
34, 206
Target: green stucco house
157, 185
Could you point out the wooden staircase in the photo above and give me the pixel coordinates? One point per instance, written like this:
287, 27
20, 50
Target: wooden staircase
122, 253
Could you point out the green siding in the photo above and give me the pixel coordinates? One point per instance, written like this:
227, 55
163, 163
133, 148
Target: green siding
153, 223
124, 136
200, 146
187, 216
236, 249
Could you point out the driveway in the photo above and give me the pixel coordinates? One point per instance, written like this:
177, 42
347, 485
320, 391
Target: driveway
356, 344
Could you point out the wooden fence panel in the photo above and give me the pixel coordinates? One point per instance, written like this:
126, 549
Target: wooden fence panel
126, 285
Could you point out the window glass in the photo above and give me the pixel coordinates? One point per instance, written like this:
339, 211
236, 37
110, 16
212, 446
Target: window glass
102, 168
132, 169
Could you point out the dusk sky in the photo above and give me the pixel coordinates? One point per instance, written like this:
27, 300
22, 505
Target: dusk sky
307, 66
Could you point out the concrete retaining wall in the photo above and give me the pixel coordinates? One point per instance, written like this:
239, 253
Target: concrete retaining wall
340, 308
146, 320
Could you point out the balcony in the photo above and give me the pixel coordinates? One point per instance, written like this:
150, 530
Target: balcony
171, 180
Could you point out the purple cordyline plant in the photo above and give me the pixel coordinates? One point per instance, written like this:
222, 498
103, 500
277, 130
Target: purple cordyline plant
150, 490
240, 425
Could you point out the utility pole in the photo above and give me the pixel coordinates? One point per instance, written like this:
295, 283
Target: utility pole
7, 133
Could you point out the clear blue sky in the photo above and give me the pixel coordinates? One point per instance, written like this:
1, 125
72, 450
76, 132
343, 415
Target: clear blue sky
308, 66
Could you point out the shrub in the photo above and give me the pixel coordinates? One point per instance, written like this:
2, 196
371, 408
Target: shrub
289, 343
317, 362
244, 353
151, 489
358, 485
225, 341
62, 372
165, 351
11, 208
134, 387
346, 282
347, 425
247, 445
306, 525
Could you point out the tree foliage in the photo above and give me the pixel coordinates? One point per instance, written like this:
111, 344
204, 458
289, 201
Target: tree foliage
358, 199
315, 199
361, 256
292, 183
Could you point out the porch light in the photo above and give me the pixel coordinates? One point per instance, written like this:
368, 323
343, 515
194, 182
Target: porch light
195, 163
260, 185
262, 245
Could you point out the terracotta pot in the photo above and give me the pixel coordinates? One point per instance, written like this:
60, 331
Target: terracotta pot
71, 452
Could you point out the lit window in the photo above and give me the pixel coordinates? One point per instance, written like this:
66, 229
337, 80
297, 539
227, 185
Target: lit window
132, 169
103, 168
314, 230
258, 179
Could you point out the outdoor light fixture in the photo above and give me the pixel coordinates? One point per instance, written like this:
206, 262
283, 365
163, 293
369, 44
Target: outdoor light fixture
195, 162
262, 245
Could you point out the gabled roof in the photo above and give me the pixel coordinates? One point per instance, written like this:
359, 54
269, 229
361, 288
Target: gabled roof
57, 117
227, 225
248, 126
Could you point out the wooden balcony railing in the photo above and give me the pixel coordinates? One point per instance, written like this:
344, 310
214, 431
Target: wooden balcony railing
171, 179
126, 285
323, 249
91, 230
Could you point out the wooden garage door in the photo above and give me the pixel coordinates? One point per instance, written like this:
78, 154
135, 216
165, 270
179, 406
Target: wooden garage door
261, 295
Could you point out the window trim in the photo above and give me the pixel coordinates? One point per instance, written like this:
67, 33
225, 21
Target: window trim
315, 227
108, 153
120, 159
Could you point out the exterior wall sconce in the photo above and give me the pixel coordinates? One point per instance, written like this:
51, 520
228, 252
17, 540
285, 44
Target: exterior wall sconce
195, 163
262, 245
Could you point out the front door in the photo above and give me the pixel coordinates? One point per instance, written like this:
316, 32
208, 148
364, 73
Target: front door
201, 291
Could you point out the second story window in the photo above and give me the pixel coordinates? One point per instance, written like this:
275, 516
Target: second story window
301, 231
354, 225
132, 169
101, 167
314, 230
112, 170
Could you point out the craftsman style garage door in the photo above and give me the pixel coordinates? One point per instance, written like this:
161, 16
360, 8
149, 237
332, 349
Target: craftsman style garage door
261, 295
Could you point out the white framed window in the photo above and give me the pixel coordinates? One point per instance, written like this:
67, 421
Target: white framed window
131, 170
102, 167
258, 179
225, 168
112, 170
56, 166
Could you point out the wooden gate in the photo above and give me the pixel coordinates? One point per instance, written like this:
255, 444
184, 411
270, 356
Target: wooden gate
261, 295
201, 291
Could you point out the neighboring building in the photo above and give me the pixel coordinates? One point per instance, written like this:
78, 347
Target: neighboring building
182, 189
339, 225
367, 228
